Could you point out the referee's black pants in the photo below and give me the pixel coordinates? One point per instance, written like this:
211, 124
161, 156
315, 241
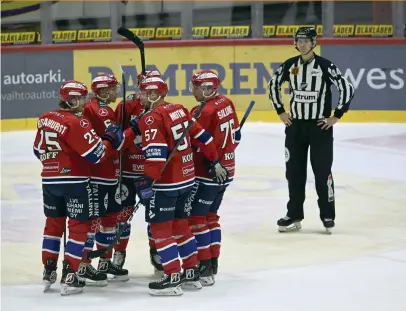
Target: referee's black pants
301, 135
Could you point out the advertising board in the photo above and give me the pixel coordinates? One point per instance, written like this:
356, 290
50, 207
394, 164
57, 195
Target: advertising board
244, 70
31, 75
30, 82
378, 74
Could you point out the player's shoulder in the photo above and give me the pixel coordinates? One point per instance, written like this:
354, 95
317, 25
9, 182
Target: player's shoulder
324, 62
218, 103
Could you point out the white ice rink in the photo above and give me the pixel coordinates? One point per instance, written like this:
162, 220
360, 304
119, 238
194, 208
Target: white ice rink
360, 267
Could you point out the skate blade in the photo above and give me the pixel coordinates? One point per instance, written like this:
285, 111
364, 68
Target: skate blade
67, 290
329, 231
207, 280
93, 283
192, 285
292, 228
117, 278
47, 286
172, 291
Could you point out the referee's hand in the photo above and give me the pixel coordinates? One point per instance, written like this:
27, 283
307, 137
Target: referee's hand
327, 123
286, 119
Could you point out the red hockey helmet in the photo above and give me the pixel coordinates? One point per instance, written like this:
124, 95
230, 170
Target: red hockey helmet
154, 84
205, 78
103, 81
71, 89
148, 74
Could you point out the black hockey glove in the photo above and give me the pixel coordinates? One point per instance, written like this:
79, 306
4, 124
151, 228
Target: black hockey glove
217, 171
114, 134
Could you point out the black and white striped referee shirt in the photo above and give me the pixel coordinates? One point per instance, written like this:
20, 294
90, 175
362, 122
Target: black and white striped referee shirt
310, 88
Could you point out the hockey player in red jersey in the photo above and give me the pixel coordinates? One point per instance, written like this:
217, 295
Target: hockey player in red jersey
104, 180
161, 127
133, 165
66, 144
219, 118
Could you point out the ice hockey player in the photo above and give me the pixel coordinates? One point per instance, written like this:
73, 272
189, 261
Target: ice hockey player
133, 166
219, 118
104, 181
66, 144
165, 200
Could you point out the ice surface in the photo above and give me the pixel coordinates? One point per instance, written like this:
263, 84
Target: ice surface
362, 266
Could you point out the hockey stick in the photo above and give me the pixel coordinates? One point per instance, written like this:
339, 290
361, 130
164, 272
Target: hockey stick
127, 33
247, 113
122, 121
102, 251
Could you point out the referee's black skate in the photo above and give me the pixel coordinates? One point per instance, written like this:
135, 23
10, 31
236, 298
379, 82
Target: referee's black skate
328, 224
287, 224
49, 275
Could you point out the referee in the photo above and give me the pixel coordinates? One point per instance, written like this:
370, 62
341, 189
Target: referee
309, 124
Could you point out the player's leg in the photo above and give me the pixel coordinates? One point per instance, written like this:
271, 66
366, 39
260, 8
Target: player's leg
109, 195
128, 195
321, 158
160, 213
54, 210
202, 197
92, 276
78, 204
214, 227
296, 149
187, 245
153, 254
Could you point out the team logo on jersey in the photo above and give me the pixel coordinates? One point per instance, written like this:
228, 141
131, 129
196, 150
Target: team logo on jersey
84, 123
149, 120
103, 112
295, 71
65, 170
124, 194
303, 86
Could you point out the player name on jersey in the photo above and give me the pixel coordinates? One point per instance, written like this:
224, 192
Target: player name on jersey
177, 114
56, 126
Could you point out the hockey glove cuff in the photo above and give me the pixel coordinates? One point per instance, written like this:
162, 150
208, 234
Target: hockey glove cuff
144, 189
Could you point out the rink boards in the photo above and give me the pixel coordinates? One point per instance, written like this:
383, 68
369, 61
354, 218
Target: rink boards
33, 74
